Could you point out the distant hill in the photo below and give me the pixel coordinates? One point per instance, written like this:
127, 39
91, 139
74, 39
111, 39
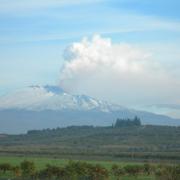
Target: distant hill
130, 140
172, 110
38, 107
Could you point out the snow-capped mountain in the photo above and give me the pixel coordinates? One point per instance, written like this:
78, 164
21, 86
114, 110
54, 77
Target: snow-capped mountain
38, 107
38, 98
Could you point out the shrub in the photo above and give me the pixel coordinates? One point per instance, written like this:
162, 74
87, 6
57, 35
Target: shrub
16, 171
28, 168
133, 170
148, 168
78, 169
98, 172
168, 173
117, 171
5, 167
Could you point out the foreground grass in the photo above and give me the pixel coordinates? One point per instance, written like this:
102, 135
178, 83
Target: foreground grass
41, 162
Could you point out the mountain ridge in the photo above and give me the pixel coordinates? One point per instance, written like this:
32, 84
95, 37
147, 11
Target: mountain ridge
52, 98
38, 107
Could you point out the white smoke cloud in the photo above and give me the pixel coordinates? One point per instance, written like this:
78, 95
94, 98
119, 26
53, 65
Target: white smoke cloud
117, 72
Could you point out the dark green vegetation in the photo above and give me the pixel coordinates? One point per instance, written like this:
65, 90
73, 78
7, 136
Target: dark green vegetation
126, 140
127, 122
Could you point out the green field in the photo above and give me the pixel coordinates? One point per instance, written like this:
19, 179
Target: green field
41, 162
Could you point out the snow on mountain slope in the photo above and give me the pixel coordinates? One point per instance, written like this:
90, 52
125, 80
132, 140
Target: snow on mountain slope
39, 98
25, 98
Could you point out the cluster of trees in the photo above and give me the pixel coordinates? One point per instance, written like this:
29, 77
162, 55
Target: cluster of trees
86, 171
128, 122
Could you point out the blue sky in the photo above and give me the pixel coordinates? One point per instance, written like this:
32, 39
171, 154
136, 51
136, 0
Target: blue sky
34, 34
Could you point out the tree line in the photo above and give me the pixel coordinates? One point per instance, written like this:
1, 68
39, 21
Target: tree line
120, 122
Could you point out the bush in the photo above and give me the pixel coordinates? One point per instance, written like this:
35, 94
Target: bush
5, 167
117, 171
74, 171
16, 171
133, 170
98, 172
78, 169
168, 173
51, 172
28, 168
148, 169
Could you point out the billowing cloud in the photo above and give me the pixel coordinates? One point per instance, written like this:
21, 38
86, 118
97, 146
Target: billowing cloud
117, 72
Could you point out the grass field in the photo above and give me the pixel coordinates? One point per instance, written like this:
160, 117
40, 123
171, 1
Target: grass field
41, 162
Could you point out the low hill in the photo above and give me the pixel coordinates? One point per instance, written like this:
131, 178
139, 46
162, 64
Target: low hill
139, 142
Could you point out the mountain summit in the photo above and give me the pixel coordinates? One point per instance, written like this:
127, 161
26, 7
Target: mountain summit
37, 107
39, 98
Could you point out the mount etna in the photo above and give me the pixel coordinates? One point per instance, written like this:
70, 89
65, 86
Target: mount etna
38, 107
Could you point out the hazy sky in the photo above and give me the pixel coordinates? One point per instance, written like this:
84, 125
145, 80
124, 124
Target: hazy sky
141, 39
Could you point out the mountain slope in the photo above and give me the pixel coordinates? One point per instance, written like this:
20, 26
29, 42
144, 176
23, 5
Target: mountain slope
38, 107
172, 110
38, 98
